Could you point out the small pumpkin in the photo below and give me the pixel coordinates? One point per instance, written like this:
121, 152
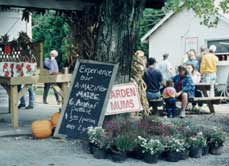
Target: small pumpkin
41, 129
54, 119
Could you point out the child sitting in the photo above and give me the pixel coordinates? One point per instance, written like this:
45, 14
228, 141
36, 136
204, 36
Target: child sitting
169, 95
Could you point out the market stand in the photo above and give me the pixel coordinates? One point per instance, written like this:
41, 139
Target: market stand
10, 84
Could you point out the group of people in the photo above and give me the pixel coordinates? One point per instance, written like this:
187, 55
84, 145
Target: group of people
162, 80
51, 65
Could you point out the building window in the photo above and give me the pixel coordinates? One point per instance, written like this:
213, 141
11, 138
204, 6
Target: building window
222, 50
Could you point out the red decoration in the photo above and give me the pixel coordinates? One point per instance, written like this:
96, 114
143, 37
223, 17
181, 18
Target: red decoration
7, 74
7, 49
5, 65
11, 65
28, 67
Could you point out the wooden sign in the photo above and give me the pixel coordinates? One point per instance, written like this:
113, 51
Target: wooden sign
86, 102
124, 98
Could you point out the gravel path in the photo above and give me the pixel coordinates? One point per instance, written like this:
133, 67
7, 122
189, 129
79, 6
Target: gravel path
25, 151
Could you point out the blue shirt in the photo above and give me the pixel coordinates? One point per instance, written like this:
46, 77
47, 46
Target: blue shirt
193, 62
51, 65
153, 78
187, 85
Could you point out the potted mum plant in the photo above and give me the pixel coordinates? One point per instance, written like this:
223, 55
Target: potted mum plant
151, 148
99, 141
216, 139
175, 148
120, 146
197, 143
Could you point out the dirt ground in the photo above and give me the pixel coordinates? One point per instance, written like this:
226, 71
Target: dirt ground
26, 151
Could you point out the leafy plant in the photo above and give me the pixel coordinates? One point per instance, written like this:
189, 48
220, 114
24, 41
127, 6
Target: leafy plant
197, 141
216, 137
174, 144
151, 146
98, 137
123, 144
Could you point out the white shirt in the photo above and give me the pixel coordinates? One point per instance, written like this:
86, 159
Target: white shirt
166, 69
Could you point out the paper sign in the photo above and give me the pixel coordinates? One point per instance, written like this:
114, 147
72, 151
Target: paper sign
124, 98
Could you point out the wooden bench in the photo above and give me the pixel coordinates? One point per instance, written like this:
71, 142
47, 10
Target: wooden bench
209, 101
155, 104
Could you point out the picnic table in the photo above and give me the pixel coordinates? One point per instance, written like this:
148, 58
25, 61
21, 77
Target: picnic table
11, 84
210, 101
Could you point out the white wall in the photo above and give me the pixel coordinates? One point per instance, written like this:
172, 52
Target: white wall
170, 38
11, 23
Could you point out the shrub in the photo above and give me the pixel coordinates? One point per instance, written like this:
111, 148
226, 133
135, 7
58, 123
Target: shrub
197, 141
151, 146
174, 144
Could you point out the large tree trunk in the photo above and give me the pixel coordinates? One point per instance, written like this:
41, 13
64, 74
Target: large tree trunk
108, 32
118, 30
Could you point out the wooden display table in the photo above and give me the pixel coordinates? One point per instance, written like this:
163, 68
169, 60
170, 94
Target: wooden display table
11, 84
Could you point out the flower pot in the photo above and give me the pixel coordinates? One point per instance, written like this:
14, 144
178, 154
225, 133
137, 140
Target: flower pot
151, 159
136, 154
172, 156
216, 150
91, 147
99, 153
205, 150
195, 152
118, 157
183, 155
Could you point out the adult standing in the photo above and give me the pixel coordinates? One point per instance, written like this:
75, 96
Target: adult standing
192, 59
166, 68
185, 87
31, 98
208, 67
153, 79
52, 66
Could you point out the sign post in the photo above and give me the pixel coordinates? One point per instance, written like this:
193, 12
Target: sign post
86, 102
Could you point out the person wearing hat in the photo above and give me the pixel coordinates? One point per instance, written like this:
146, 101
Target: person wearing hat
208, 67
166, 67
52, 66
185, 88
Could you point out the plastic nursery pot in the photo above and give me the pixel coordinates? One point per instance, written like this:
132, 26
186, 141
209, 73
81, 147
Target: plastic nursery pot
118, 157
151, 159
99, 153
205, 150
91, 147
86, 146
216, 150
195, 152
183, 155
172, 156
136, 154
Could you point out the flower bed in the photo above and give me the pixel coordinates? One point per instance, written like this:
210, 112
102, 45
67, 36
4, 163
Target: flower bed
149, 139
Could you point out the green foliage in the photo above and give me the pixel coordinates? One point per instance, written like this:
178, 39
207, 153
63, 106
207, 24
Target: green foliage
53, 31
151, 146
198, 140
150, 18
122, 143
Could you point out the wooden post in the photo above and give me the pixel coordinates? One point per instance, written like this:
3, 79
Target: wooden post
39, 50
13, 105
64, 88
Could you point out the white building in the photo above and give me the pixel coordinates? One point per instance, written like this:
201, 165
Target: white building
12, 24
176, 33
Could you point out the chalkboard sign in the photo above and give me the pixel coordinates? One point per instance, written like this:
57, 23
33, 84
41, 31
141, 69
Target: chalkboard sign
86, 102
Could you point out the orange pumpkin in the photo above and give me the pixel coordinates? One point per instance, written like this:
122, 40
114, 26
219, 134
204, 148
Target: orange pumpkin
55, 118
41, 129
